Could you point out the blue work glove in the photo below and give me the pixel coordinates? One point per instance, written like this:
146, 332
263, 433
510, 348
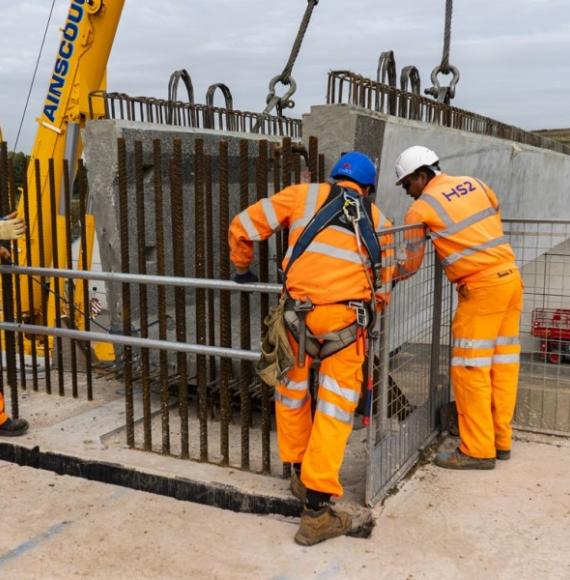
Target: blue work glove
248, 278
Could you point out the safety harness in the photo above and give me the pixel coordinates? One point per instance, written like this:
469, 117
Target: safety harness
349, 210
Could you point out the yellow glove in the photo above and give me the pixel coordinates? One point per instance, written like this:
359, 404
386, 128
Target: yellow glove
12, 227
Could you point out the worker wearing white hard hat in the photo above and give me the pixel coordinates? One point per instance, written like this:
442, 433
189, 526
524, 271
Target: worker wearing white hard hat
463, 218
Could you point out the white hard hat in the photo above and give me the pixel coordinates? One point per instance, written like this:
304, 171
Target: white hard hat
413, 158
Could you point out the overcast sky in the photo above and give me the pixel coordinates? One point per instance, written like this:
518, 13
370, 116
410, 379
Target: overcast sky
513, 54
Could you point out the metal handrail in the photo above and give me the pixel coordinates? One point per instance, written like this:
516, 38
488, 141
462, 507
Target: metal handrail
207, 283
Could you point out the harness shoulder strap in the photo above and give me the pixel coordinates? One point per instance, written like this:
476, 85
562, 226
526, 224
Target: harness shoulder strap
332, 209
369, 236
321, 219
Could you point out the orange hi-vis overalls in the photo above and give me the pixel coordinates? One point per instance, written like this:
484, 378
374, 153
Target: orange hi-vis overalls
3, 416
462, 215
330, 272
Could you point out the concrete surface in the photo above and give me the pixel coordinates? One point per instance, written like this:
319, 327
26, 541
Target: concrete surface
94, 432
523, 176
511, 523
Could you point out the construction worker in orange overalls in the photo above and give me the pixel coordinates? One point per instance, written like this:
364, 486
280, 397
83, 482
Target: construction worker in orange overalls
464, 223
11, 228
330, 291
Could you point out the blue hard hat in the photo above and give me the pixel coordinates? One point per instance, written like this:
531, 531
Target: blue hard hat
355, 166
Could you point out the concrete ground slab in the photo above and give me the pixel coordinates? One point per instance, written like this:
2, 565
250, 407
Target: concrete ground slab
93, 433
511, 523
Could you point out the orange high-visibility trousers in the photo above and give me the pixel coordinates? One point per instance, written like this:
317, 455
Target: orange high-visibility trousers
3, 416
485, 362
319, 443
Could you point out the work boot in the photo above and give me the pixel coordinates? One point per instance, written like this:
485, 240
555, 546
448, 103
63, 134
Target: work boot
320, 525
458, 460
14, 428
503, 454
297, 487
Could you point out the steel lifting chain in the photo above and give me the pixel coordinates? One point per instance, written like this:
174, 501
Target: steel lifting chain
445, 94
285, 78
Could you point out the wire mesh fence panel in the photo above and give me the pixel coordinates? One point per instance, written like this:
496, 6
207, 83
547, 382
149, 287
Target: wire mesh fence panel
411, 379
542, 248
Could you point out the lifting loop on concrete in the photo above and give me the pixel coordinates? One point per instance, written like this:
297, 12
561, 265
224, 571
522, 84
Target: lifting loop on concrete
445, 94
387, 72
209, 118
387, 68
285, 102
225, 91
173, 91
410, 81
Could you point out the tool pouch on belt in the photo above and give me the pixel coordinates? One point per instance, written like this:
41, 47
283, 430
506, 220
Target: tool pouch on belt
276, 352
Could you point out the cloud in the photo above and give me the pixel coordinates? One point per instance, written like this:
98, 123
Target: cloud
511, 54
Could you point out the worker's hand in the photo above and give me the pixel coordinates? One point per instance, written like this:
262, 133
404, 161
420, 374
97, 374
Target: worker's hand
4, 253
247, 277
12, 227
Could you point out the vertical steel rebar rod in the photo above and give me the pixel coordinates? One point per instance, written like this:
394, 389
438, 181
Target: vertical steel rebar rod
245, 319
71, 283
56, 282
321, 168
200, 272
279, 249
225, 305
18, 282
297, 167
30, 280
3, 211
287, 154
314, 158
126, 288
85, 267
8, 293
179, 292
42, 263
161, 271
212, 315
262, 191
143, 294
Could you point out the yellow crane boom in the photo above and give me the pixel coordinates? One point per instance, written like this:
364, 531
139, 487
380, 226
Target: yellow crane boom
80, 68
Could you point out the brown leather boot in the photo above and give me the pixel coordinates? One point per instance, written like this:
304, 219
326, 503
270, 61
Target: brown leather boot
297, 487
320, 525
458, 460
14, 428
503, 454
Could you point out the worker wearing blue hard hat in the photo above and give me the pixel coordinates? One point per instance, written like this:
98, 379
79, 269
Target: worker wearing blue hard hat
333, 284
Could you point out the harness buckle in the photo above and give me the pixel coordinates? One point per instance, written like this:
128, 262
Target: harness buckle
362, 315
351, 208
